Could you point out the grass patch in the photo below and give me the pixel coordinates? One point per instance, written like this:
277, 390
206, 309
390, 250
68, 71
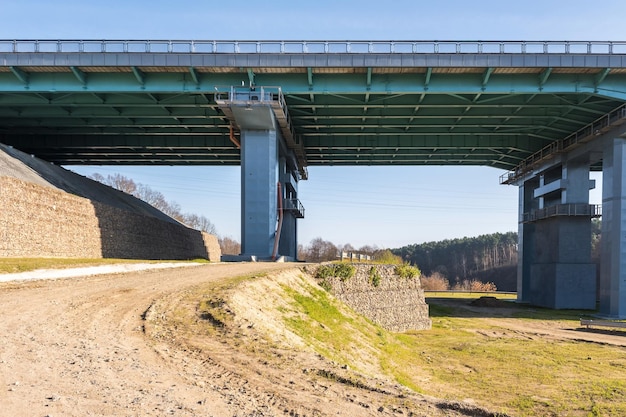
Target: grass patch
467, 355
469, 295
320, 322
471, 357
407, 271
343, 271
16, 265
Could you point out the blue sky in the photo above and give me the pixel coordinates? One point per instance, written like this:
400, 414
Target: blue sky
383, 206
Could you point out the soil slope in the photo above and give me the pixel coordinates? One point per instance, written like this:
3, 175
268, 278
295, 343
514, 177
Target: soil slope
17, 164
93, 347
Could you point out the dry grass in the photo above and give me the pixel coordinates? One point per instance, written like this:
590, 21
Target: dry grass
469, 355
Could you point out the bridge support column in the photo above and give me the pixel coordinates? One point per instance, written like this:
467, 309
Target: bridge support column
526, 239
555, 268
613, 251
272, 162
259, 178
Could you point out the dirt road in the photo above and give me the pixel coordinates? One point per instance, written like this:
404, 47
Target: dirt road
81, 347
75, 347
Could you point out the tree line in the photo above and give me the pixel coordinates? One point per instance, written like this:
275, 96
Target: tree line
459, 260
320, 250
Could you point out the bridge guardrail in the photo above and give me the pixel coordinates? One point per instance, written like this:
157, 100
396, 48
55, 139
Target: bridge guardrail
582, 135
310, 47
569, 210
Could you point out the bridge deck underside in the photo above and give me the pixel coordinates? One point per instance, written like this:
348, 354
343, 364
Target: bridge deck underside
491, 116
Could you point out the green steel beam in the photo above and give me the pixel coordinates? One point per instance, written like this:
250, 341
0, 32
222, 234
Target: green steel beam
21, 75
341, 84
486, 76
80, 75
194, 75
429, 73
599, 77
482, 118
139, 75
543, 77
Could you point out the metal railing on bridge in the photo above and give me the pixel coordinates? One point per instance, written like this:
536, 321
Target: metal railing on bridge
559, 210
581, 136
353, 256
310, 47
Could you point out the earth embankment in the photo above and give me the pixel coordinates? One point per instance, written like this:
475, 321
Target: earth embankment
48, 211
122, 345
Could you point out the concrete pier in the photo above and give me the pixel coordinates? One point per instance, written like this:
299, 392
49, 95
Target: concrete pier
613, 258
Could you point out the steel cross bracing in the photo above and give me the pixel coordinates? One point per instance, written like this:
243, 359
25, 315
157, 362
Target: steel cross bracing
349, 102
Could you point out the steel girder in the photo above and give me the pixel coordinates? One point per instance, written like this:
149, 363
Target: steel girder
144, 113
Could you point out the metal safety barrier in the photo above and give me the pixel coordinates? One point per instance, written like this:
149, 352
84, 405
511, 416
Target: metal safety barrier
294, 206
577, 210
309, 47
581, 136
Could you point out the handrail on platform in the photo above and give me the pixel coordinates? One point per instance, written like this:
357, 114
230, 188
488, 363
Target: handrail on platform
309, 47
564, 210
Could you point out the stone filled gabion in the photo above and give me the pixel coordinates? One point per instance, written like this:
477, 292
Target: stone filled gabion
39, 221
396, 304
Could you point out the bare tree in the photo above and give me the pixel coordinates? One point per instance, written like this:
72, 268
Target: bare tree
320, 250
157, 200
199, 223
229, 246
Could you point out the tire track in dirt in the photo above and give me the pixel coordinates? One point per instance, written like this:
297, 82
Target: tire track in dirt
75, 347
80, 347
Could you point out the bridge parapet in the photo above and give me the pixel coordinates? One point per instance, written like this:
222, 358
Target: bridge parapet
310, 47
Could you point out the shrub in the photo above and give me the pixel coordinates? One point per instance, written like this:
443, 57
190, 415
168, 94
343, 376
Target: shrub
387, 258
407, 271
326, 286
325, 271
341, 271
435, 282
374, 276
475, 285
344, 271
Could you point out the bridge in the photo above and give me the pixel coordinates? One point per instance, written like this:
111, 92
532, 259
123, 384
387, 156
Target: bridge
545, 113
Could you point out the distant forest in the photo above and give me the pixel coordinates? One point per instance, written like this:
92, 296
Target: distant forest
486, 258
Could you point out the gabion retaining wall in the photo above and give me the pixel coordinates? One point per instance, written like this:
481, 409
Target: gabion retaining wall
39, 221
397, 304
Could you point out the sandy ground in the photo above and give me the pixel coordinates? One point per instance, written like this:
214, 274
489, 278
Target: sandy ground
87, 347
90, 271
79, 347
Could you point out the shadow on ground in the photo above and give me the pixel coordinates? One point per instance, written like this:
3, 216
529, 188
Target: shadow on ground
493, 307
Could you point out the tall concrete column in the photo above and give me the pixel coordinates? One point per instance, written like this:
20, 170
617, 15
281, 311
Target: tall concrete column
259, 178
556, 267
526, 238
269, 158
613, 253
